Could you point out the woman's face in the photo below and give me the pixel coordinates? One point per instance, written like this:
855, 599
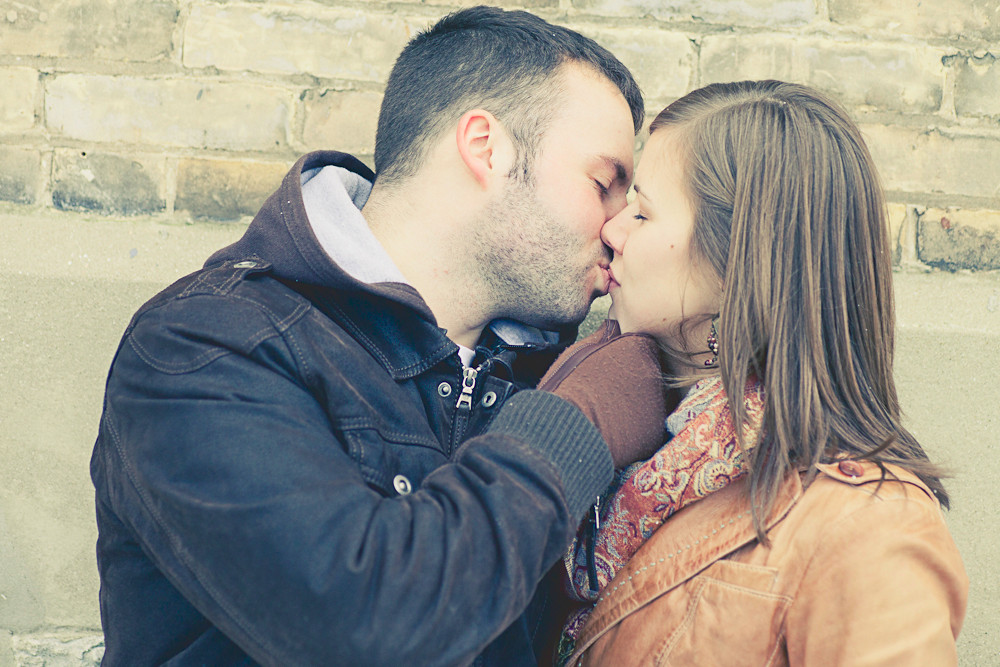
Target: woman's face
656, 282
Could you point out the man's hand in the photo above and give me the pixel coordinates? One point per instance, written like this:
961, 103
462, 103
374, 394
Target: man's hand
616, 381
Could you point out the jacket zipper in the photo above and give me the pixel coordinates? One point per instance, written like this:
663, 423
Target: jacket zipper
593, 527
463, 408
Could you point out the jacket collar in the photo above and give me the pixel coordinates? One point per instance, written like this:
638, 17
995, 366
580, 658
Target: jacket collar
403, 341
407, 344
698, 535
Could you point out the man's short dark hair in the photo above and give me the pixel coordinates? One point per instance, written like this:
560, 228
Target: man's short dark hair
506, 62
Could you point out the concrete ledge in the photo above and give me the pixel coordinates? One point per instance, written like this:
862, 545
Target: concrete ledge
58, 649
69, 246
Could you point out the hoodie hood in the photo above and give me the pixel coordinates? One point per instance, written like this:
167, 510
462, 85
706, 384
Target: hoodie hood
282, 234
311, 231
334, 197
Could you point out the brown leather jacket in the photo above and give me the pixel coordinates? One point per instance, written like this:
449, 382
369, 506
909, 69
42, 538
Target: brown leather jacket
857, 573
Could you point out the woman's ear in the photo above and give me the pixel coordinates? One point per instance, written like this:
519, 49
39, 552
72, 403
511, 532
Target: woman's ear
484, 146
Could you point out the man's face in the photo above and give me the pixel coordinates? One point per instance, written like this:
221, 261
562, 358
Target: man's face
539, 245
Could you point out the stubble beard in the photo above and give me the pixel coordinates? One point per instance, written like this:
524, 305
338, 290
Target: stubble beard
529, 262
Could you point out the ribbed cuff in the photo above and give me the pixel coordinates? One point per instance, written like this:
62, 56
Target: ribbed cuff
561, 433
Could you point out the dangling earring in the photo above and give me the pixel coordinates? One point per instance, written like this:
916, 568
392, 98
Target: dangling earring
713, 345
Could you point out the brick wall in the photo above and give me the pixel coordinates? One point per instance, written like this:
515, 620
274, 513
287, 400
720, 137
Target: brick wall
121, 121
194, 108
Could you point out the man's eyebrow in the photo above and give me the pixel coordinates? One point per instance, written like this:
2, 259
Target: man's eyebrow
616, 165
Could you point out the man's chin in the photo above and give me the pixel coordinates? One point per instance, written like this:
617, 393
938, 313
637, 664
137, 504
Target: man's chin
558, 321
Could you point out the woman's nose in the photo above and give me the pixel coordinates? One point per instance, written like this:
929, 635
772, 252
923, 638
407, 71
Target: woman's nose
616, 230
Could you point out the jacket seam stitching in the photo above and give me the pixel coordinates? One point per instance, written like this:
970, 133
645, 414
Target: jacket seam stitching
276, 327
192, 287
778, 643
172, 540
373, 349
356, 331
278, 323
748, 590
293, 346
671, 642
216, 289
203, 359
397, 437
670, 556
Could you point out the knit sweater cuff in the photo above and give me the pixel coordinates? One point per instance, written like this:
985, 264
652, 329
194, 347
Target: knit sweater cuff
560, 432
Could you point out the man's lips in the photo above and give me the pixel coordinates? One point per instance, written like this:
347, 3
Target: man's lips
607, 280
612, 281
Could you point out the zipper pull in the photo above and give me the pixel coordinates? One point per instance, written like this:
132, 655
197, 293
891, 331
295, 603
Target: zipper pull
468, 384
597, 514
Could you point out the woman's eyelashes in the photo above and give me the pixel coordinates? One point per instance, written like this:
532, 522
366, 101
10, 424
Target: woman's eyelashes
639, 216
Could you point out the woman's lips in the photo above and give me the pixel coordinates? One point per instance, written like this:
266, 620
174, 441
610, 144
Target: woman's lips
612, 281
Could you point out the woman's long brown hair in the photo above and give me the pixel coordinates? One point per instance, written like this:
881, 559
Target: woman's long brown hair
790, 215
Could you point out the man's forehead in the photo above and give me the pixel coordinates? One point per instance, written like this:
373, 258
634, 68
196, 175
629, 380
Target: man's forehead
594, 126
596, 110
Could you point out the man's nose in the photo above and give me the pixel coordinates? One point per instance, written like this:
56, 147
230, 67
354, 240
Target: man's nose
615, 205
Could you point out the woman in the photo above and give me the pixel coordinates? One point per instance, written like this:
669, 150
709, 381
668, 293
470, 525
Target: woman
756, 253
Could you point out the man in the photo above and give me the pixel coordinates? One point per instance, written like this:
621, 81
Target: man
303, 457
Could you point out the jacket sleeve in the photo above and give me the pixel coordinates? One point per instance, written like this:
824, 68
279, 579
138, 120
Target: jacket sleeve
227, 468
885, 586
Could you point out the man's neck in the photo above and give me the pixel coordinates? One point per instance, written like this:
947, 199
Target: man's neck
428, 250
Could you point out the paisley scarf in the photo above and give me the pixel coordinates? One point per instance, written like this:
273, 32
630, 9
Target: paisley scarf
702, 456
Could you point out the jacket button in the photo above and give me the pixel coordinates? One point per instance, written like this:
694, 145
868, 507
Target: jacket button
850, 468
402, 485
245, 265
444, 390
489, 398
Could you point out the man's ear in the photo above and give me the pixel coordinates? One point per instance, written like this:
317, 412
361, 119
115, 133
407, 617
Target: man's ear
483, 146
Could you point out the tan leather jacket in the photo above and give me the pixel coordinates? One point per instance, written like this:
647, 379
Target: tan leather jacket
856, 573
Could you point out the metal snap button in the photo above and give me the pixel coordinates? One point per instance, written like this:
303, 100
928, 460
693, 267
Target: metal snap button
402, 485
489, 398
444, 390
245, 265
